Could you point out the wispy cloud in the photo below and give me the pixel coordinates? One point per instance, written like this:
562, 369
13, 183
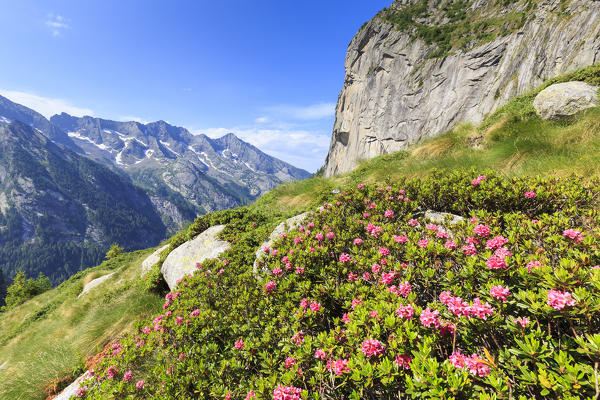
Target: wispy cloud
311, 112
127, 118
57, 24
46, 106
302, 148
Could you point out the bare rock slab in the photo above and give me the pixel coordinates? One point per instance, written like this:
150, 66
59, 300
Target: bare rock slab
149, 262
182, 261
94, 283
71, 390
564, 99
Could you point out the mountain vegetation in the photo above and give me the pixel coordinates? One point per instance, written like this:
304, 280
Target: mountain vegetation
368, 298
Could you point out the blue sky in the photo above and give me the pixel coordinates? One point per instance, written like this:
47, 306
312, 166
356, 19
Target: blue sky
269, 71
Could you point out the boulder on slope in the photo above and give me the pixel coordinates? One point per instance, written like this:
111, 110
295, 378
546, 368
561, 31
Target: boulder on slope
564, 99
152, 259
182, 261
94, 283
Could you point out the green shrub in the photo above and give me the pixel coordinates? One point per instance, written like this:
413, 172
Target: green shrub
23, 289
502, 305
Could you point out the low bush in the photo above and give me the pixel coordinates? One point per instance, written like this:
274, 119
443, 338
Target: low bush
370, 300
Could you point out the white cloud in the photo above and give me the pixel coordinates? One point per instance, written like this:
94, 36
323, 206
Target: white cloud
261, 120
45, 105
57, 24
310, 112
301, 148
127, 118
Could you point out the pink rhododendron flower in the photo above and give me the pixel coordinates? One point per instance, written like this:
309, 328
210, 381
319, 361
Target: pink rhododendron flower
388, 278
403, 361
482, 230
290, 362
297, 240
287, 393
147, 330
298, 337
81, 391
270, 286
361, 185
304, 303
111, 372
474, 220
352, 277
480, 310
384, 251
356, 302
533, 264
319, 236
502, 252
372, 347
469, 250
530, 194
320, 354
375, 268
476, 366
404, 288
346, 318
400, 239
366, 215
406, 312
358, 241
345, 258
442, 234
430, 318
374, 314
239, 344
389, 214
366, 276
495, 262
315, 307
500, 292
140, 384
250, 395
423, 243
330, 235
457, 359
277, 271
558, 299
450, 245
573, 234
374, 230
496, 242
413, 222
473, 240
338, 366
432, 227
299, 270
477, 181
522, 321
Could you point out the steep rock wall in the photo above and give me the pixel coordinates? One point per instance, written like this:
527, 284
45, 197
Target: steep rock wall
395, 94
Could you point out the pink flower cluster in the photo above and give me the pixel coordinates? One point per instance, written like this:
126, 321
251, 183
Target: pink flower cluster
460, 308
374, 230
496, 242
573, 234
345, 258
287, 393
477, 181
474, 363
406, 312
500, 292
559, 300
530, 195
482, 230
372, 347
430, 318
338, 366
403, 361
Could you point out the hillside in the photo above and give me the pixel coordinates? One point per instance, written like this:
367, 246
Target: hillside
420, 67
200, 359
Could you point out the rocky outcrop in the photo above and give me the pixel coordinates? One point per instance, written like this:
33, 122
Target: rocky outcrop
94, 283
564, 99
396, 94
441, 217
182, 261
149, 262
71, 390
284, 227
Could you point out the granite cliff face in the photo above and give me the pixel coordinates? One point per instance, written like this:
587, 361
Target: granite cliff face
418, 68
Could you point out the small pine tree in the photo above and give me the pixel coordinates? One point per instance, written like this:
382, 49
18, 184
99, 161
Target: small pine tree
114, 251
23, 289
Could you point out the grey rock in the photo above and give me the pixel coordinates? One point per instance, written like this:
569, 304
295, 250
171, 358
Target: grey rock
71, 390
335, 191
3, 365
182, 261
441, 217
94, 283
284, 227
395, 96
564, 99
152, 259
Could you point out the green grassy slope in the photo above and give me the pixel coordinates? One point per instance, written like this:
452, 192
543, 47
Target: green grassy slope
47, 338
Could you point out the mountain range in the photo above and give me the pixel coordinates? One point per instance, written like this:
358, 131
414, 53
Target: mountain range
70, 186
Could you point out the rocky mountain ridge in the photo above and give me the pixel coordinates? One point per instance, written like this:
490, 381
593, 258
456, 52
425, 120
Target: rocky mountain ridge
416, 69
